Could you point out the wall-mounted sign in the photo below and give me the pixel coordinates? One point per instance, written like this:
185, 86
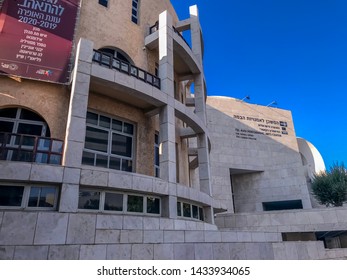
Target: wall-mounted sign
36, 38
265, 127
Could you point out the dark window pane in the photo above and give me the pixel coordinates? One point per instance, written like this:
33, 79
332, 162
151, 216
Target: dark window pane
121, 145
103, 3
186, 210
127, 165
153, 205
34, 197
135, 203
41, 158
31, 129
47, 197
128, 128
116, 125
124, 67
43, 144
116, 64
8, 113
55, 159
11, 195
29, 115
101, 161
21, 155
179, 209
115, 163
28, 141
89, 200
105, 121
195, 212
6, 126
156, 139
57, 146
113, 202
201, 214
88, 158
96, 139
92, 118
156, 156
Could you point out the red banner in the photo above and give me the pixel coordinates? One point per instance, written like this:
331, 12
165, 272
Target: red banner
36, 38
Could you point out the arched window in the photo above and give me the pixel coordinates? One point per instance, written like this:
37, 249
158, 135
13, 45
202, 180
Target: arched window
25, 136
116, 53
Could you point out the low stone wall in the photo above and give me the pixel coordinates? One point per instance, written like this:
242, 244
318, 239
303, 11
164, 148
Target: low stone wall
322, 219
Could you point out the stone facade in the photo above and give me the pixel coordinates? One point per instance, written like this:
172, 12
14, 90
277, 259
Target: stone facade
197, 146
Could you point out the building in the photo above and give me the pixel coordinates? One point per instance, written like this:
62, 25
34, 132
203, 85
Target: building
123, 162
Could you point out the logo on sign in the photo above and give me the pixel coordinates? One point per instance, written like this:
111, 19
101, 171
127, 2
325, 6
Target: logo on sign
47, 73
12, 66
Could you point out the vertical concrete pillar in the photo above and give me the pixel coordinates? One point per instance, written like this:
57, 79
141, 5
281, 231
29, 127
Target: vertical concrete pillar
76, 124
167, 115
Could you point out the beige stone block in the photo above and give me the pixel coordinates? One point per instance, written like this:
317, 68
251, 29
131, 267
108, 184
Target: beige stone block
64, 252
131, 236
79, 105
142, 183
84, 67
229, 236
12, 221
107, 236
94, 178
77, 128
166, 224
237, 251
6, 252
9, 170
193, 236
46, 173
119, 252
220, 251
81, 229
71, 175
244, 236
73, 154
203, 251
151, 223
279, 251
213, 236
85, 50
153, 236
103, 72
180, 224
258, 236
81, 83
51, 228
125, 80
160, 187
341, 215
176, 236
184, 251
93, 252
118, 180
31, 253
69, 198
163, 252
142, 252
109, 222
133, 222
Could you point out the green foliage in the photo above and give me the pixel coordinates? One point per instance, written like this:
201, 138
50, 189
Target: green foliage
330, 187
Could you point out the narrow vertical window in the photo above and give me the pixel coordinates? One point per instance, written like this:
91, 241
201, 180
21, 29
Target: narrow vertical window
103, 3
135, 11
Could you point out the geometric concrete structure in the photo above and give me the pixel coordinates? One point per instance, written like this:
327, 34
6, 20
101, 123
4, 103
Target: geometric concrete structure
124, 162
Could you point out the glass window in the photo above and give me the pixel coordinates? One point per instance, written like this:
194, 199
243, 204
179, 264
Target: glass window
179, 209
108, 143
135, 203
113, 202
29, 196
42, 197
195, 212
156, 156
135, 11
103, 3
186, 210
89, 200
153, 205
11, 195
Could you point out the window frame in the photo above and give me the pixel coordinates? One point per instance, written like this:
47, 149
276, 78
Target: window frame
200, 211
110, 133
135, 17
102, 196
26, 196
156, 150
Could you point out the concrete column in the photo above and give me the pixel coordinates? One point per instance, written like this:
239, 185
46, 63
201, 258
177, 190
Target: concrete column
167, 114
76, 124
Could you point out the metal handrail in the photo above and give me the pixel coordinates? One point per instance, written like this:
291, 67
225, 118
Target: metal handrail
125, 67
179, 34
30, 148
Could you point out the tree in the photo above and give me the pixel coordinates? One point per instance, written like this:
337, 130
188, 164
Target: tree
330, 187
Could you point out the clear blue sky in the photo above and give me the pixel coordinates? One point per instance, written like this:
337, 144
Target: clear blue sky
293, 52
